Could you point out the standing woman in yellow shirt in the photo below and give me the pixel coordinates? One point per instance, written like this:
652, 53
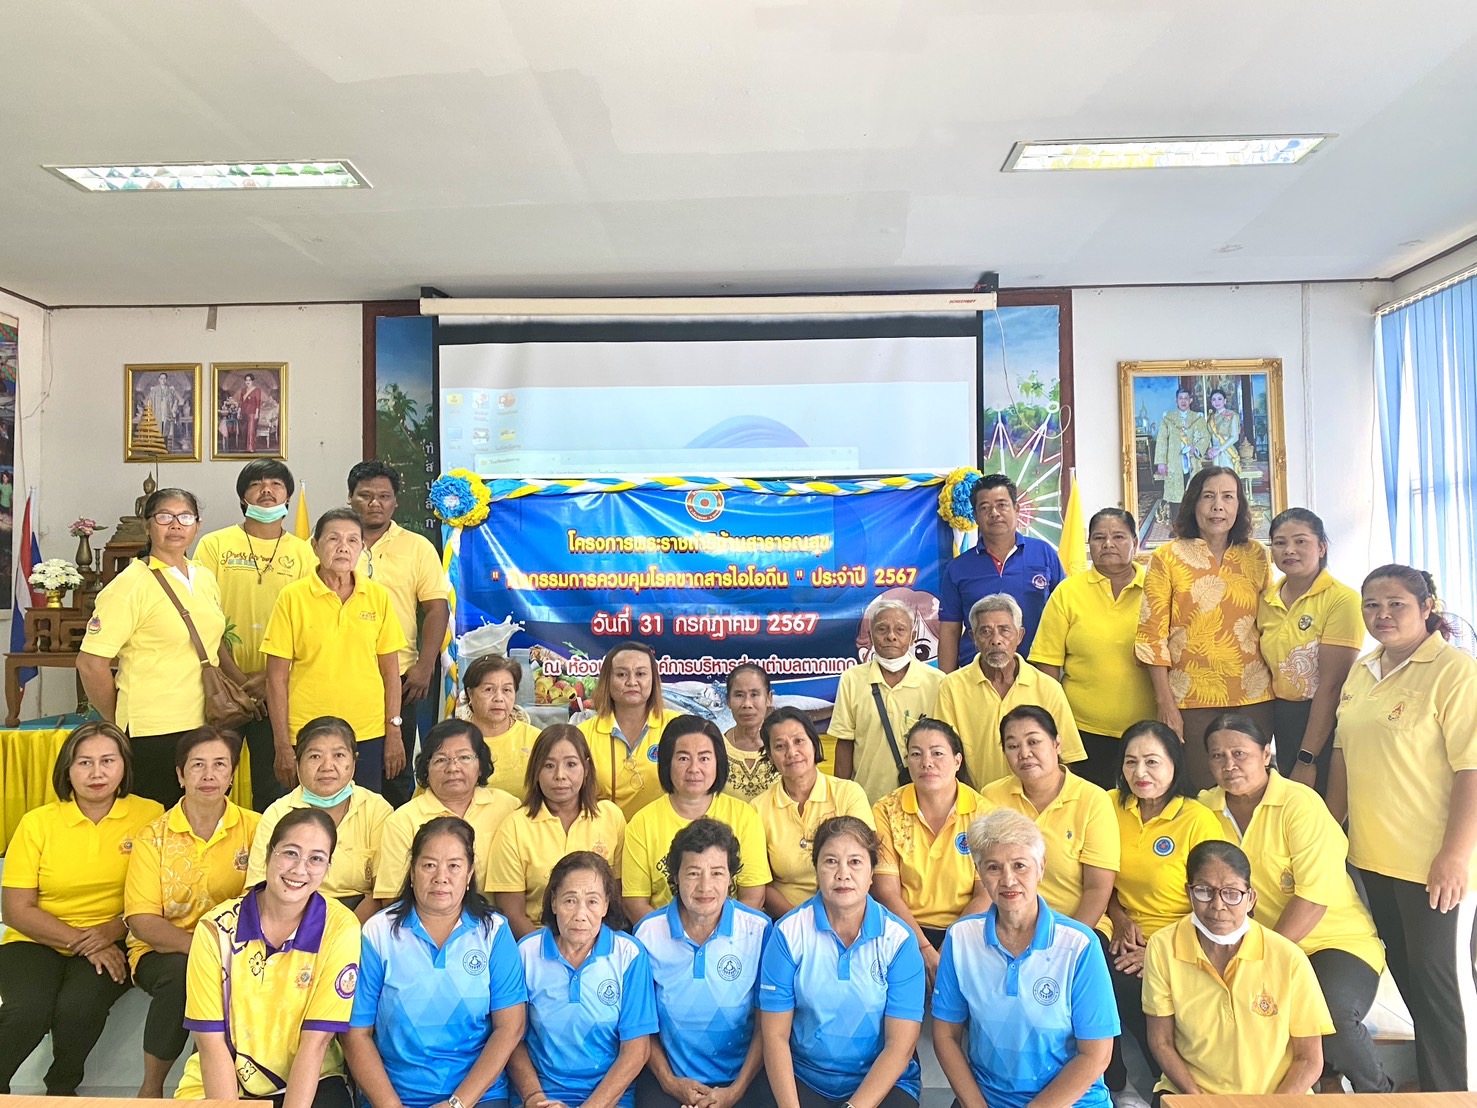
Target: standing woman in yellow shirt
183, 864
159, 694
1085, 641
1197, 631
1405, 770
1311, 632
628, 723
750, 700
491, 683
62, 964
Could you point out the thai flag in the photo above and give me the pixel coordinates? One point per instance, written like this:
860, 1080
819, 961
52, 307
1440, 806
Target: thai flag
25, 597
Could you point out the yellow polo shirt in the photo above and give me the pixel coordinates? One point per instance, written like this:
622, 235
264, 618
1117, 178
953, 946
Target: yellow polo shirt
789, 832
334, 647
408, 566
1090, 633
1329, 612
174, 873
77, 867
526, 847
250, 574
969, 703
351, 872
510, 752
936, 871
486, 813
649, 837
855, 719
626, 773
159, 686
1404, 740
1151, 874
1080, 830
274, 995
1235, 1034
1298, 849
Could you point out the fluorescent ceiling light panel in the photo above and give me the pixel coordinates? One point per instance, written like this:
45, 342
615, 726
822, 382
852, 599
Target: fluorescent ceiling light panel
1162, 153
330, 174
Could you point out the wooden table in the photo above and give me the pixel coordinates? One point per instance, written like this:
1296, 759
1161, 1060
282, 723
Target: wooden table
1359, 1100
14, 663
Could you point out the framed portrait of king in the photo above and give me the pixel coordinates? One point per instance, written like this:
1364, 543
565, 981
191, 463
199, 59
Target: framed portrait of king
1179, 417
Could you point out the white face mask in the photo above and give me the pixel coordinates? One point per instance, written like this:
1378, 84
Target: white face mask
893, 665
1222, 940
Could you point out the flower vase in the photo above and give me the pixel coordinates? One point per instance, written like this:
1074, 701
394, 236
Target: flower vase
84, 553
54, 597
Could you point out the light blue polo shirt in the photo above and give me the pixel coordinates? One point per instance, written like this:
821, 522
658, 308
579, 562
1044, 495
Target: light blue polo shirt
1025, 1014
578, 1018
840, 995
431, 1009
705, 994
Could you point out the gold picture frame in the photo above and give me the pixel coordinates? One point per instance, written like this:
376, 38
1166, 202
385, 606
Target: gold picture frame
1162, 448
161, 412
248, 410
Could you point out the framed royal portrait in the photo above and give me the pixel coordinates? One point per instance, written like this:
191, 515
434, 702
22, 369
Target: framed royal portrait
250, 409
162, 406
1179, 417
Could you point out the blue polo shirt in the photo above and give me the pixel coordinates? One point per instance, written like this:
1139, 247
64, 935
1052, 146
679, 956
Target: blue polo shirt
840, 995
1025, 1014
1033, 569
431, 1008
705, 994
578, 1018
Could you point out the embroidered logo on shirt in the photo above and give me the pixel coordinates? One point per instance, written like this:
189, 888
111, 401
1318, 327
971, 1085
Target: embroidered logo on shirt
348, 977
94, 625
879, 971
1038, 581
242, 857
1264, 1005
961, 842
1046, 991
125, 847
651, 755
474, 962
1305, 623
1396, 712
1164, 846
609, 992
1286, 882
304, 977
729, 967
370, 616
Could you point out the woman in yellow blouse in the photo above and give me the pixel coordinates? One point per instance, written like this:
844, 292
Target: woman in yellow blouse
561, 814
925, 874
750, 700
326, 752
1311, 632
491, 683
1225, 432
1299, 860
627, 725
62, 964
1085, 641
796, 804
1197, 632
183, 864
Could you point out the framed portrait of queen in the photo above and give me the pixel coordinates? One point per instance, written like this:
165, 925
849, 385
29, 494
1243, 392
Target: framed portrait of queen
1181, 416
250, 409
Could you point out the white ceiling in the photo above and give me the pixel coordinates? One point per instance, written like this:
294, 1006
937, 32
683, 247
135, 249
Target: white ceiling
706, 145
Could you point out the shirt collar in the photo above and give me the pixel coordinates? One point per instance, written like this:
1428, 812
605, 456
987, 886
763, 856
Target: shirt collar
912, 677
1025, 672
871, 919
966, 800
1426, 652
1171, 811
604, 941
819, 792
392, 532
466, 923
177, 821
674, 920
1020, 544
1187, 946
72, 813
309, 934
1099, 578
1040, 940
317, 586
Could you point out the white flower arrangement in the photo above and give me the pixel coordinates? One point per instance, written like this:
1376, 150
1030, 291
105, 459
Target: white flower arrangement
54, 574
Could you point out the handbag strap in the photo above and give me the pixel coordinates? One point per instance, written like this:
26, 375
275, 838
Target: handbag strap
190, 623
886, 724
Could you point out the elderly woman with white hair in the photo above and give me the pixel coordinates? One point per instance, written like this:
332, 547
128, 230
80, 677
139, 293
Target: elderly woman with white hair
1031, 984
975, 698
879, 701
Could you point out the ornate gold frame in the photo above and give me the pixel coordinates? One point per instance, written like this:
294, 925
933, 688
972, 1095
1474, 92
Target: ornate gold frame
135, 370
218, 370
1270, 368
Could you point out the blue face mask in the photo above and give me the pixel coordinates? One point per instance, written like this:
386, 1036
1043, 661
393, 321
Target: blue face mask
266, 515
315, 801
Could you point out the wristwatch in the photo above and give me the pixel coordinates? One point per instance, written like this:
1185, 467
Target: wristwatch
396, 721
1307, 757
455, 1101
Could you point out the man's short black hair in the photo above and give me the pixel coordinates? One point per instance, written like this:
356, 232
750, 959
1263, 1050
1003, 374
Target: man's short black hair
263, 469
369, 470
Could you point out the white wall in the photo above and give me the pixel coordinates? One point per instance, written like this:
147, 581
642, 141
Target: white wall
1433, 272
1324, 335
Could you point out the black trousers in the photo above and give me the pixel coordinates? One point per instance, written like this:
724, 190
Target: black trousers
1104, 759
1128, 991
1289, 722
265, 788
162, 976
45, 991
333, 1092
153, 768
1430, 956
1349, 985
896, 1098
650, 1094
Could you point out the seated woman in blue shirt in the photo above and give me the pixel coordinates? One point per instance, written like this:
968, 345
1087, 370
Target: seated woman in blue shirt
439, 1004
591, 1002
1031, 984
841, 987
704, 948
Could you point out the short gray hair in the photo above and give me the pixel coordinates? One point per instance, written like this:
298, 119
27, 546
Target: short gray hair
995, 602
880, 608
1004, 827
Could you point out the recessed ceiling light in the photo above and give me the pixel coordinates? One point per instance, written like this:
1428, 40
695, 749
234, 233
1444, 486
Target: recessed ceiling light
213, 175
1161, 153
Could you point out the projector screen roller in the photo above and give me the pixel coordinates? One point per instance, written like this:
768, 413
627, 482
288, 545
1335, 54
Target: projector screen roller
781, 401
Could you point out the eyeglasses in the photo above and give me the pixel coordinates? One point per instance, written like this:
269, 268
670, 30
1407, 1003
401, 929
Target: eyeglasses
1230, 897
164, 519
315, 862
442, 761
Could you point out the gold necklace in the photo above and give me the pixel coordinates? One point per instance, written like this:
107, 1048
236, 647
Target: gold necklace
262, 569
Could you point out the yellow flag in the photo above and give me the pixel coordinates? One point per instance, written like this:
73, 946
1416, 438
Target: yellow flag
1073, 548
302, 526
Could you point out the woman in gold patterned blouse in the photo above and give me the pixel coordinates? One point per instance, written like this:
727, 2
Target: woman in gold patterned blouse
1197, 631
750, 770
